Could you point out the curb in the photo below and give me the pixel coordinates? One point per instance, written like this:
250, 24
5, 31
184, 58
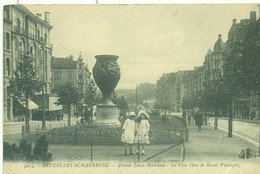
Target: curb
255, 143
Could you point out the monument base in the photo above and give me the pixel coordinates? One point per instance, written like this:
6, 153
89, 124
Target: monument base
107, 116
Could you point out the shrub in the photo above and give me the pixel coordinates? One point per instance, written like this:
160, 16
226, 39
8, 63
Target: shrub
40, 150
10, 151
25, 150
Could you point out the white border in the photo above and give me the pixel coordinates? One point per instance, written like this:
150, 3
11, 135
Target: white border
91, 2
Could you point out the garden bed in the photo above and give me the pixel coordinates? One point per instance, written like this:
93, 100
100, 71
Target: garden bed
87, 135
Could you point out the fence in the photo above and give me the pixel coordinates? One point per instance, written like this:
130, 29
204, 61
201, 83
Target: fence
90, 143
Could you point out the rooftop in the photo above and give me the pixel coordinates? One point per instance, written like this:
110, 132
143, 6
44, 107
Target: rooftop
63, 63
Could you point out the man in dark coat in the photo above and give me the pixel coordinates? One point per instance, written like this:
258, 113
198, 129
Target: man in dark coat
198, 120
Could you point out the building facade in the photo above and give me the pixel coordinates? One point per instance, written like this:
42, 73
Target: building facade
75, 73
68, 71
25, 33
246, 104
172, 87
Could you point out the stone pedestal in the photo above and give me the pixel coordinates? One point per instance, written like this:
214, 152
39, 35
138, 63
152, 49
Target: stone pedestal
107, 116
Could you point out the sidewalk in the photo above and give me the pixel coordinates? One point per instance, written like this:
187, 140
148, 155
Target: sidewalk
247, 130
16, 127
214, 145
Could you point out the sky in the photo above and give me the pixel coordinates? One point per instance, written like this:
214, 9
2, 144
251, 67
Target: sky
149, 39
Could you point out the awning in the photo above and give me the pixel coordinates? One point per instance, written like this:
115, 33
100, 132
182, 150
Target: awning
32, 105
243, 100
52, 105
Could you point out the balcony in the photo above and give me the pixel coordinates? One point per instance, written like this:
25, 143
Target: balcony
23, 31
42, 40
20, 30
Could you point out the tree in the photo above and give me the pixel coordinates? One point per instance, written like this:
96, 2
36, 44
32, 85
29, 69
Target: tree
114, 98
91, 98
25, 84
249, 61
214, 97
164, 92
122, 105
68, 95
231, 81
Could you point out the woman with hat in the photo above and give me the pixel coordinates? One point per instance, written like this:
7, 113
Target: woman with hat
128, 132
142, 129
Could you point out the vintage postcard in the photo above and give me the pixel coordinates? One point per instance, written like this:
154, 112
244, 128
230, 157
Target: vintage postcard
131, 88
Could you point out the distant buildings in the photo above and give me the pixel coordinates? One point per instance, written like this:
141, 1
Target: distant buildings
171, 88
249, 103
24, 33
174, 86
72, 72
68, 71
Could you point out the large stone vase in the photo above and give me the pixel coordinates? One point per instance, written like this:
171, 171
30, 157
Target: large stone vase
106, 73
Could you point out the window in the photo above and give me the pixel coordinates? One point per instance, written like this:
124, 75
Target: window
80, 76
69, 75
7, 41
57, 75
21, 45
8, 66
17, 25
45, 38
8, 90
32, 29
6, 12
80, 65
32, 49
38, 35
57, 87
16, 45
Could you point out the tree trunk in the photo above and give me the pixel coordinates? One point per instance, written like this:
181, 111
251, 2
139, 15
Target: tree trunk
230, 120
69, 116
216, 123
257, 113
91, 115
27, 116
216, 119
206, 117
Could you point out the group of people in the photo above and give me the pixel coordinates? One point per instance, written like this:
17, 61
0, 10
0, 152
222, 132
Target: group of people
135, 130
197, 117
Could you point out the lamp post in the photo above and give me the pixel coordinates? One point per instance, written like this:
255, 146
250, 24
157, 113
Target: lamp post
43, 95
43, 108
136, 99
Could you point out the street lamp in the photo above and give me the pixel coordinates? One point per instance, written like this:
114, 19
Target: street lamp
43, 107
43, 93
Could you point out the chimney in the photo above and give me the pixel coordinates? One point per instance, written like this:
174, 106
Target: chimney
71, 57
47, 17
219, 36
234, 21
39, 15
252, 16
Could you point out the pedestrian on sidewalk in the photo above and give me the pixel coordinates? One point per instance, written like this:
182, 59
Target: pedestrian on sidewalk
142, 130
184, 115
198, 120
189, 118
128, 132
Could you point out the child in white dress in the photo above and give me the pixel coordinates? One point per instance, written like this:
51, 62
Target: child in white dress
128, 132
142, 130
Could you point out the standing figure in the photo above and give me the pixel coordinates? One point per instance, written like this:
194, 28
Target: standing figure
184, 115
128, 132
142, 130
189, 118
198, 120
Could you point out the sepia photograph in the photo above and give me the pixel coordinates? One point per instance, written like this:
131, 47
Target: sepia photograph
131, 88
